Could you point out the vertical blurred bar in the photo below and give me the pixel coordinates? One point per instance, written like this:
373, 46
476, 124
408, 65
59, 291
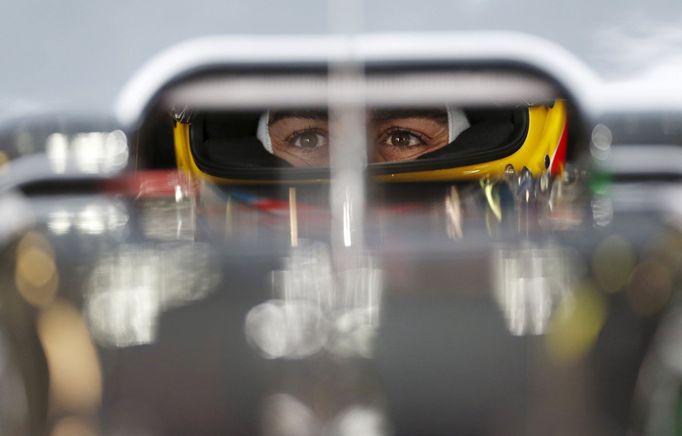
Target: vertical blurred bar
293, 217
348, 157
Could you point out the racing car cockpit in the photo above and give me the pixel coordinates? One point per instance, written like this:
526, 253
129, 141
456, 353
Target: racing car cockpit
340, 237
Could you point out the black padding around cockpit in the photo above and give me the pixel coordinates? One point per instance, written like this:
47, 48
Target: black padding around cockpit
230, 139
223, 140
489, 130
247, 152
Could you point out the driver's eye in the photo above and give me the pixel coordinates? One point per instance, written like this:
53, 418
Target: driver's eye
403, 138
308, 139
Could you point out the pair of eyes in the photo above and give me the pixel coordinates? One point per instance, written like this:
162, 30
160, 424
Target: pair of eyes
397, 137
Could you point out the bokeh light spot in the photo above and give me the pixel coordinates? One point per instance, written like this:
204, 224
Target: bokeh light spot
612, 263
75, 374
36, 276
575, 325
73, 426
650, 288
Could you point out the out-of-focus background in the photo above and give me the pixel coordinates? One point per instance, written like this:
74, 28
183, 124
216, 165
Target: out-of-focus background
77, 54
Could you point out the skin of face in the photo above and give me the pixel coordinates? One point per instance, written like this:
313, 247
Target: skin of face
302, 138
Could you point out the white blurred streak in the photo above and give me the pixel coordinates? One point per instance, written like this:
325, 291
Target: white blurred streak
91, 220
453, 211
89, 152
57, 149
347, 220
293, 218
529, 283
94, 218
348, 159
129, 289
406, 89
86, 149
59, 222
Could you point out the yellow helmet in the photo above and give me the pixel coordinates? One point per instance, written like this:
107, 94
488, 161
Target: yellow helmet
229, 147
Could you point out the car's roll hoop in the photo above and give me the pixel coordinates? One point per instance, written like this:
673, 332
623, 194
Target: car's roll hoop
508, 50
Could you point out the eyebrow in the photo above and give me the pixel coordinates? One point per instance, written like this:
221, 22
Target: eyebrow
392, 114
440, 115
307, 114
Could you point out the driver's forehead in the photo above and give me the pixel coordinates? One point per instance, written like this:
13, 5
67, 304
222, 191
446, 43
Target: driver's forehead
375, 115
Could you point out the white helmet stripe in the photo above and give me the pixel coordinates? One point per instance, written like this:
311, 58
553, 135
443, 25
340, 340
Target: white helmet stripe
263, 131
457, 123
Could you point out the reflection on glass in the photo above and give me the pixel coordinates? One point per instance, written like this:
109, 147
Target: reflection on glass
92, 152
291, 330
129, 288
602, 211
613, 262
285, 415
565, 203
530, 281
314, 308
167, 220
575, 325
92, 218
125, 316
453, 211
355, 332
293, 218
359, 420
600, 146
59, 222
